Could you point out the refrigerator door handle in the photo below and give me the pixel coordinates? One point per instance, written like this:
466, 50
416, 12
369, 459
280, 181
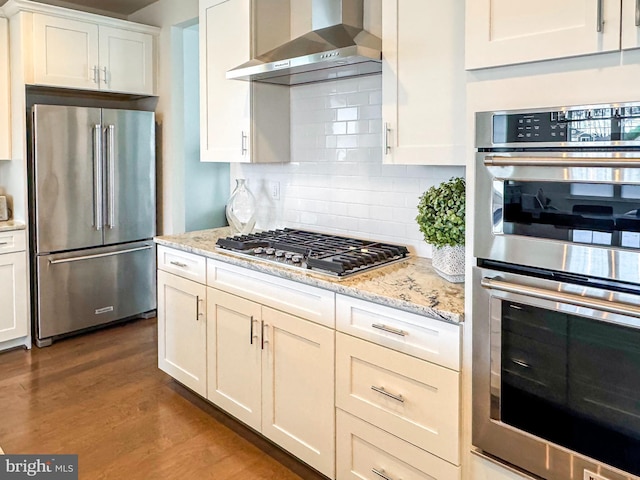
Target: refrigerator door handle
111, 165
97, 177
99, 255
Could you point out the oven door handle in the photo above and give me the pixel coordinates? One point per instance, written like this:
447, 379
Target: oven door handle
524, 161
561, 297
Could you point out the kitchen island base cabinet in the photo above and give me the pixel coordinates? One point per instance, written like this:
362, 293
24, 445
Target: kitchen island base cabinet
274, 372
367, 452
182, 327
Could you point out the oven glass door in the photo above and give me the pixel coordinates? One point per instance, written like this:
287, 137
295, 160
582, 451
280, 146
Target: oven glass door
575, 212
565, 374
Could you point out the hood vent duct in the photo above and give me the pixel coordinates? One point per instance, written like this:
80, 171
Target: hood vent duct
338, 47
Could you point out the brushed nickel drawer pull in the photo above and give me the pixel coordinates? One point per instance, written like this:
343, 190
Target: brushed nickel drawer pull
4, 243
251, 330
178, 264
381, 474
397, 398
637, 19
395, 331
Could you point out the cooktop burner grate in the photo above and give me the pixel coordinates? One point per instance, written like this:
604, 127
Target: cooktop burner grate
329, 254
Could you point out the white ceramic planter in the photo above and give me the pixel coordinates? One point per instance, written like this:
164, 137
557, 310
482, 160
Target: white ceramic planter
448, 262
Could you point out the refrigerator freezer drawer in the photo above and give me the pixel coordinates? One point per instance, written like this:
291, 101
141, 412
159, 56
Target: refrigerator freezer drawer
91, 287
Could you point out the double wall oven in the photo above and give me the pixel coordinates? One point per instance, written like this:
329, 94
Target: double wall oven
556, 291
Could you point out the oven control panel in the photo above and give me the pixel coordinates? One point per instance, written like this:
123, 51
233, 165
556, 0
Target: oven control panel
590, 125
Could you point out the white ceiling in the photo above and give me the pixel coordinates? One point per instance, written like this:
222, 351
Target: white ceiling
116, 8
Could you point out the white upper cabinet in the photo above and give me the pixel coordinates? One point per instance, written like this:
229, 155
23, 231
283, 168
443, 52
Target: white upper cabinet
5, 94
65, 52
126, 60
504, 32
630, 24
240, 121
74, 53
423, 81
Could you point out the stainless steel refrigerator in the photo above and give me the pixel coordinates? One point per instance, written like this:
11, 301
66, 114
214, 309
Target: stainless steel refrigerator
92, 198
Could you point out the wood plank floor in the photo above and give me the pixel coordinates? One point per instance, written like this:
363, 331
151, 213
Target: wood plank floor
101, 396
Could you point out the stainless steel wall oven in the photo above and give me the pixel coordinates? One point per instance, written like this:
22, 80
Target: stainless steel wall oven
556, 291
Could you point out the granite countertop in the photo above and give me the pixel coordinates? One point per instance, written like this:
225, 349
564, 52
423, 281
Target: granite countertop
10, 225
411, 285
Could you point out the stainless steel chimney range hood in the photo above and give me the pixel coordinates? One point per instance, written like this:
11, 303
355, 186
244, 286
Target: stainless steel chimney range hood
337, 47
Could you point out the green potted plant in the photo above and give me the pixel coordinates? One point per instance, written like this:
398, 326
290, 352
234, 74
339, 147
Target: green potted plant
441, 220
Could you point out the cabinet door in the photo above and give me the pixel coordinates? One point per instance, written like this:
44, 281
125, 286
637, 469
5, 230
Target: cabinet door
13, 296
298, 388
182, 330
503, 32
423, 88
5, 104
630, 24
65, 52
126, 61
234, 356
225, 39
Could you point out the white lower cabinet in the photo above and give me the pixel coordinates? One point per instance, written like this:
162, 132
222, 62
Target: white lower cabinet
397, 393
182, 327
14, 312
367, 452
408, 397
265, 349
274, 372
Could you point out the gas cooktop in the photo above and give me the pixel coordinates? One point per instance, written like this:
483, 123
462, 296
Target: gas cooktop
333, 255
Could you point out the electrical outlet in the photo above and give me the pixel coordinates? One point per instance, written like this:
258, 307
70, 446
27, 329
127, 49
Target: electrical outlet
274, 187
593, 476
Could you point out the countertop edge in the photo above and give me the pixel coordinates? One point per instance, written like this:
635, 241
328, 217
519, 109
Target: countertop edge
314, 280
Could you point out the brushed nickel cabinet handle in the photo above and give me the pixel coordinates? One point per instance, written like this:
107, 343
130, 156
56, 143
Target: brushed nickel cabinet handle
381, 474
104, 69
198, 313
600, 19
178, 264
387, 143
251, 330
387, 329
637, 13
244, 143
263, 340
96, 77
397, 398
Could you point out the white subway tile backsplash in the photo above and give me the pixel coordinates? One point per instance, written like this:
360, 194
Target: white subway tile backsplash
346, 114
336, 181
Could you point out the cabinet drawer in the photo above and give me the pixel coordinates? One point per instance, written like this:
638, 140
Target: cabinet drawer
298, 299
183, 264
423, 337
410, 398
13, 241
363, 449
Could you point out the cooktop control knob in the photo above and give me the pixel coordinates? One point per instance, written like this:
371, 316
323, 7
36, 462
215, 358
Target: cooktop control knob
288, 255
296, 259
270, 251
279, 254
258, 250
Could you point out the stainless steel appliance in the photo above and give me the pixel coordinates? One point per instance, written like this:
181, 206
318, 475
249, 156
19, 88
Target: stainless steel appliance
92, 204
330, 255
337, 47
556, 291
